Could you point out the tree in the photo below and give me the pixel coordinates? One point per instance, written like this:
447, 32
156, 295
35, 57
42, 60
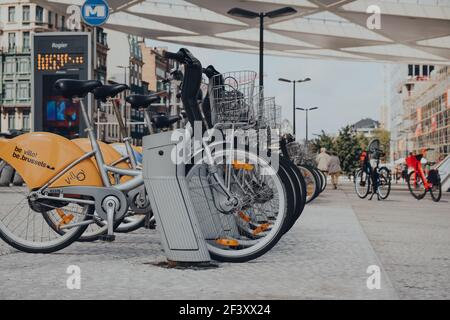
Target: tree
347, 146
323, 141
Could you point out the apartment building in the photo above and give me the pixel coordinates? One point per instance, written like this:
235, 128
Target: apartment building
427, 114
403, 80
18, 21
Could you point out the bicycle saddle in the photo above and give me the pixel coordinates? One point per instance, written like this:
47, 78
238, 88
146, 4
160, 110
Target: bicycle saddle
138, 101
162, 121
109, 91
70, 88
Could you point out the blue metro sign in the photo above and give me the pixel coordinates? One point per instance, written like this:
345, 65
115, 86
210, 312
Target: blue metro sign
95, 12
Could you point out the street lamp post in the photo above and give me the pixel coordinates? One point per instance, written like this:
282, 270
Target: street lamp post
125, 79
406, 132
247, 14
307, 110
293, 105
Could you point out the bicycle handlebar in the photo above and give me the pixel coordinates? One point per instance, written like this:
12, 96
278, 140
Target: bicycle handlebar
178, 56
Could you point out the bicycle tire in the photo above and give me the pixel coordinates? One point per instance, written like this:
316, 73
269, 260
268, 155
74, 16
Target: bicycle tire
298, 187
437, 194
419, 195
359, 183
285, 192
388, 177
317, 182
325, 180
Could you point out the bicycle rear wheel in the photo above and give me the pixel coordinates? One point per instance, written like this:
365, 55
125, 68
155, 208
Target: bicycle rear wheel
416, 186
250, 229
436, 192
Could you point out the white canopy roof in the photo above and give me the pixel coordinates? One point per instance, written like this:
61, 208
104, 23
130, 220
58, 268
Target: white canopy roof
413, 31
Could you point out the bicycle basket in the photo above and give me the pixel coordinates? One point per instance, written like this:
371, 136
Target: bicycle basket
232, 97
294, 150
271, 114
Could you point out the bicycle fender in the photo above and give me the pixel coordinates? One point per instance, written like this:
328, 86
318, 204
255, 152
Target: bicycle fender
40, 156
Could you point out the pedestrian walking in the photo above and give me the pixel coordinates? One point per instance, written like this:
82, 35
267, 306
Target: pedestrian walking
322, 160
334, 169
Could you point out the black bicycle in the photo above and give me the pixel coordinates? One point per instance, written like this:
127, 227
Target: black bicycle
370, 178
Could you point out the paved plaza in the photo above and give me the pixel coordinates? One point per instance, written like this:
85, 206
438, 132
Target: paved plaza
325, 256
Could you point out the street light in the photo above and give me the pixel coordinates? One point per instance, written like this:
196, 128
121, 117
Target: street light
125, 73
406, 132
307, 110
247, 14
124, 103
293, 105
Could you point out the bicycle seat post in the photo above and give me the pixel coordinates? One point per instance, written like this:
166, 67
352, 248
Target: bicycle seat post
93, 139
123, 131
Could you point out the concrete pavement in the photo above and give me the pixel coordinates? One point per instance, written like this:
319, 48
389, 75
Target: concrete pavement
325, 256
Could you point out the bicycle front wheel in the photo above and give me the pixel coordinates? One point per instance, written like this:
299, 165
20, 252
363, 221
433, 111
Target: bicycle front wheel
362, 184
384, 182
416, 186
311, 181
23, 226
252, 227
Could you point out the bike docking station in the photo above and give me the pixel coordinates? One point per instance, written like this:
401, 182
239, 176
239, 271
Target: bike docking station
175, 216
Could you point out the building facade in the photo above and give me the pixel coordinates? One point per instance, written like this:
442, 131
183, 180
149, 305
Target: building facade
427, 114
18, 21
403, 80
126, 69
157, 69
366, 127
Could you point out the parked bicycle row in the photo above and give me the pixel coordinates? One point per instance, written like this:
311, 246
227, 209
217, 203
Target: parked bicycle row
59, 191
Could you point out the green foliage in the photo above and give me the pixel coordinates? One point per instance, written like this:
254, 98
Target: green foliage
347, 146
323, 141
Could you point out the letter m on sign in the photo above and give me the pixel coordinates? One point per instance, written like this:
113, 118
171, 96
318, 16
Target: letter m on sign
98, 11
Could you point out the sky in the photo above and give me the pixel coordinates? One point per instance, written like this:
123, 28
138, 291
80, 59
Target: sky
344, 91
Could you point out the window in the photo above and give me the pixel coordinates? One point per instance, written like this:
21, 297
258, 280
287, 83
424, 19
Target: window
39, 14
410, 70
24, 65
26, 41
50, 18
10, 66
63, 23
11, 14
24, 90
416, 70
26, 120
11, 41
9, 91
56, 20
425, 71
26, 13
11, 120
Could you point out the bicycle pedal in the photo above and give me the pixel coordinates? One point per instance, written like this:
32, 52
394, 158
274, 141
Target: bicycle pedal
107, 238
